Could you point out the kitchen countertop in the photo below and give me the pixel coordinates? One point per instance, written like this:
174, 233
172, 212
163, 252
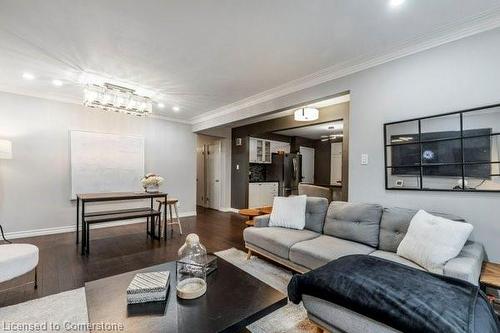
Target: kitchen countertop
327, 185
263, 181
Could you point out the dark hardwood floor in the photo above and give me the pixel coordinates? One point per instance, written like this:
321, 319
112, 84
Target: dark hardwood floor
117, 250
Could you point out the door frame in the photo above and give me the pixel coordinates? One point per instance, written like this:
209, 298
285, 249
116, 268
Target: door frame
218, 205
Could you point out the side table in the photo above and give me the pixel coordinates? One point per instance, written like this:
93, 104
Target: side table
490, 278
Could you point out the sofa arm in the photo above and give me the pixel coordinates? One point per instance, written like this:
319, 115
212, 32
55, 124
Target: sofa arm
262, 221
467, 265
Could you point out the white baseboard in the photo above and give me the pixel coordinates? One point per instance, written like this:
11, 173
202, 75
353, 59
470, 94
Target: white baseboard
72, 228
229, 209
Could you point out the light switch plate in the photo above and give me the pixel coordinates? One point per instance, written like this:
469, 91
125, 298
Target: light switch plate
364, 159
237, 166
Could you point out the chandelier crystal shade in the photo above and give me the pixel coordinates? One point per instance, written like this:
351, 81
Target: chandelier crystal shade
306, 114
111, 97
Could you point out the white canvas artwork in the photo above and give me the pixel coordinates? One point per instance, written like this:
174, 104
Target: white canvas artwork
105, 162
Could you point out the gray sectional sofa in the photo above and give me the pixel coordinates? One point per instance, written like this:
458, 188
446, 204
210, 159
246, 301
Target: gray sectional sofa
339, 229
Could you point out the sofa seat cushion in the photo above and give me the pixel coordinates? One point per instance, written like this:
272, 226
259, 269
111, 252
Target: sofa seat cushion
316, 252
16, 260
276, 240
394, 257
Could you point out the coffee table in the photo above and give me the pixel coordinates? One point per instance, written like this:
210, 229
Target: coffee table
234, 299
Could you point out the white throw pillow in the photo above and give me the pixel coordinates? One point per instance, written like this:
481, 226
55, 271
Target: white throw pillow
432, 240
289, 212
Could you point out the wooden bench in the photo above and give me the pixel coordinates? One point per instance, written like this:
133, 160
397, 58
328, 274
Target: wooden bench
117, 215
123, 214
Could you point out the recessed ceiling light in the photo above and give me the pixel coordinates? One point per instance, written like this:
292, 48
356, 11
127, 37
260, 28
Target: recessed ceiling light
28, 76
57, 83
161, 105
176, 108
396, 3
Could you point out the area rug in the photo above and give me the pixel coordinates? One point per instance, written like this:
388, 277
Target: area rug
63, 312
60, 312
290, 318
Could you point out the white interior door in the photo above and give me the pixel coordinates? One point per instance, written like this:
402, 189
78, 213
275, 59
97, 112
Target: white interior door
307, 164
200, 176
214, 175
336, 164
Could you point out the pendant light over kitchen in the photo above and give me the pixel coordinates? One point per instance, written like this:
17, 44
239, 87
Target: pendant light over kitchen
306, 114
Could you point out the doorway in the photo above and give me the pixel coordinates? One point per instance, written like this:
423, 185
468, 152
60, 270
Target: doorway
208, 172
213, 172
323, 148
307, 164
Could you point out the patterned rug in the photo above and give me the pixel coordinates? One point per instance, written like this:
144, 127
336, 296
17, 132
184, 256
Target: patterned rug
63, 312
290, 318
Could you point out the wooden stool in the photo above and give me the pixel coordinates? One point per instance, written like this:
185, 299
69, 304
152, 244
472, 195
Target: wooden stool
171, 202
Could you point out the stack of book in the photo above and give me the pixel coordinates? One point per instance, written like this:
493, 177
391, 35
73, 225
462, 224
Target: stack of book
148, 287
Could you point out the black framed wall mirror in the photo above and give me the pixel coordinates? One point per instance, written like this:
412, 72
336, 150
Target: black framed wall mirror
457, 151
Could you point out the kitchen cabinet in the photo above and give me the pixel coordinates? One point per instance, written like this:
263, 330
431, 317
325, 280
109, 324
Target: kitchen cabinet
260, 150
262, 194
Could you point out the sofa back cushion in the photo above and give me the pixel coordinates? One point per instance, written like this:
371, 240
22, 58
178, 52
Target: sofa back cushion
315, 213
394, 225
358, 222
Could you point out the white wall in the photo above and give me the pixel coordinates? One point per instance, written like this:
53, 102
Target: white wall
452, 77
35, 184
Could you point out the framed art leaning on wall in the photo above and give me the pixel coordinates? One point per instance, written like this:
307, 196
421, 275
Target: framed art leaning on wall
456, 151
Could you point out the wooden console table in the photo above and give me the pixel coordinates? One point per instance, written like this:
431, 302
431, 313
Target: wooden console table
88, 218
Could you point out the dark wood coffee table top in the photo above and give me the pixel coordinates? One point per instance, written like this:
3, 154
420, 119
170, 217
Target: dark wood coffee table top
234, 299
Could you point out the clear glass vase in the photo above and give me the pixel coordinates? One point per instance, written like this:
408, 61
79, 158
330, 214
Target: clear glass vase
191, 268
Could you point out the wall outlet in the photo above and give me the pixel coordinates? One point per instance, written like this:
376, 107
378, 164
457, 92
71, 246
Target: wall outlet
364, 159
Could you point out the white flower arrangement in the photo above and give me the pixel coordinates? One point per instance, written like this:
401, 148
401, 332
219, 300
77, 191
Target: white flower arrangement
151, 180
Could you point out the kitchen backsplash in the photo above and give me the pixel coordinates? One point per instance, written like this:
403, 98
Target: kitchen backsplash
257, 172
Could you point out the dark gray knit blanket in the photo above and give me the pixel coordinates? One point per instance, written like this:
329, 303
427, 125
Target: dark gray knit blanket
407, 299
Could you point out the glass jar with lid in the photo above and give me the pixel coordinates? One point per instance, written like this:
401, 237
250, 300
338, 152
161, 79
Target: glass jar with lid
191, 268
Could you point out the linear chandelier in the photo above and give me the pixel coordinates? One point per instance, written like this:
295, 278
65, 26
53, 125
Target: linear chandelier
111, 97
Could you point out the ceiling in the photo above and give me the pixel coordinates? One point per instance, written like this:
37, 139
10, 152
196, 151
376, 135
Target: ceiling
204, 55
315, 132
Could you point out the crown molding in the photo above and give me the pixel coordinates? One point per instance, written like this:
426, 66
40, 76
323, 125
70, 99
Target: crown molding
484, 22
175, 120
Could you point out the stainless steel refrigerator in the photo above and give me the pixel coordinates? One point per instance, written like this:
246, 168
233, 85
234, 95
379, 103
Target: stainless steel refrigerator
287, 169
